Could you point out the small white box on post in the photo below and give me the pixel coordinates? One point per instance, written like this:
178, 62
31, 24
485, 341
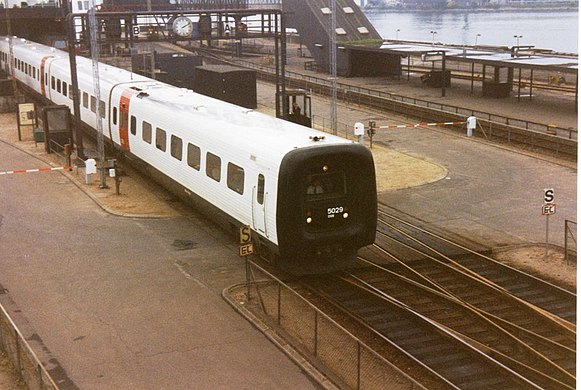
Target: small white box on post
90, 169
470, 125
359, 131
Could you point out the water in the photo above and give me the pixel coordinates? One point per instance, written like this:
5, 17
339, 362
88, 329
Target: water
557, 30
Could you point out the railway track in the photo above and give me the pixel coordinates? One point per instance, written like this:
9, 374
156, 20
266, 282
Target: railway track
445, 310
549, 297
433, 349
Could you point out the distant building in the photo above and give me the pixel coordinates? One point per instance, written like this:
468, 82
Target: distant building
78, 6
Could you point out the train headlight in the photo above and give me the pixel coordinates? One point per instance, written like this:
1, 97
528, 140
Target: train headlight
345, 215
325, 168
309, 219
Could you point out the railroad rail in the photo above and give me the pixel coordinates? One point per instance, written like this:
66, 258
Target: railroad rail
436, 333
549, 297
445, 319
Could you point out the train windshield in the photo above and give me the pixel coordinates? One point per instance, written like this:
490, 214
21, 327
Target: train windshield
325, 186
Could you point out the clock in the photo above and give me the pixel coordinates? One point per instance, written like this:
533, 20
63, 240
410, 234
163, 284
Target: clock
182, 26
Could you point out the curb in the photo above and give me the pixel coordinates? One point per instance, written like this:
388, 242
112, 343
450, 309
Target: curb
315, 374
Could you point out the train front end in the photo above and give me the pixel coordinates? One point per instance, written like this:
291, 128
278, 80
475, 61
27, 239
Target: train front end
327, 206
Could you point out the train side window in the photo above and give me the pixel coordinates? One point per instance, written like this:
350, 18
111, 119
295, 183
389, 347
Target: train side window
65, 88
85, 100
46, 79
114, 115
93, 104
34, 72
194, 156
176, 147
58, 85
213, 166
260, 189
235, 178
133, 125
146, 131
52, 82
102, 109
160, 139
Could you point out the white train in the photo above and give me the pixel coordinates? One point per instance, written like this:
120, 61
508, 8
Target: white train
307, 195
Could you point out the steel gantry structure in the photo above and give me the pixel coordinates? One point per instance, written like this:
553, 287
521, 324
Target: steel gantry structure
126, 28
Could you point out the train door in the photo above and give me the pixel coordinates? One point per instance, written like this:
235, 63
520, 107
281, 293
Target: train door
259, 205
44, 76
124, 120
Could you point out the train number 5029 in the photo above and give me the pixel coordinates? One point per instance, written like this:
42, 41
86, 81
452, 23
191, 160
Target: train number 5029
331, 211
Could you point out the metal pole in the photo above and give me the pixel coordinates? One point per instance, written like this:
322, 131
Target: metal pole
333, 65
472, 80
566, 244
75, 86
547, 239
247, 278
279, 97
283, 61
95, 51
519, 82
316, 332
443, 74
531, 85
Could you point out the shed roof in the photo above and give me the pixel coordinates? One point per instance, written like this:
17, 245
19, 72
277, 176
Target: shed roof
528, 60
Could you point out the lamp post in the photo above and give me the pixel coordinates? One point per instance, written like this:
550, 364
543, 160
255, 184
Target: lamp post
433, 35
476, 40
518, 37
397, 34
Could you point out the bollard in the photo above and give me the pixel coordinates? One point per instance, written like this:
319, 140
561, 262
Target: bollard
470, 125
68, 154
359, 132
90, 169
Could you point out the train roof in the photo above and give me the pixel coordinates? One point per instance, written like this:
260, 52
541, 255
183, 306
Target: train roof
255, 132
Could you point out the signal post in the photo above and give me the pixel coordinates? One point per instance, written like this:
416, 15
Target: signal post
246, 249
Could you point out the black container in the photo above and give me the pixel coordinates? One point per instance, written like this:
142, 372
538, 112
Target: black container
227, 83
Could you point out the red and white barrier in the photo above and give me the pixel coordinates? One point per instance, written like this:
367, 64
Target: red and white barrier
35, 170
419, 125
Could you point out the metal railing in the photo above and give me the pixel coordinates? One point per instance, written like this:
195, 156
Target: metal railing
348, 359
362, 95
29, 367
570, 239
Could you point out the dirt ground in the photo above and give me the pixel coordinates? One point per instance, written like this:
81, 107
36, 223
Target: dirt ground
8, 375
552, 268
140, 198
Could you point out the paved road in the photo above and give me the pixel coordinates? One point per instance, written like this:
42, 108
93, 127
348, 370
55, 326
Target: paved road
491, 195
118, 303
